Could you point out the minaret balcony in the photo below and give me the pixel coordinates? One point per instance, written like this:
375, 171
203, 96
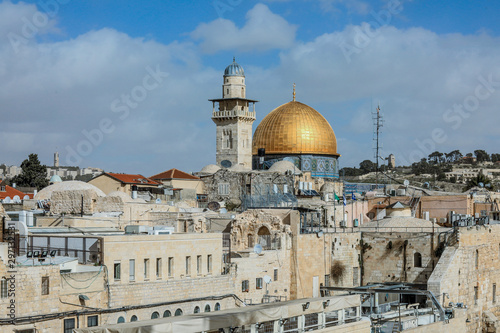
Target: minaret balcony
233, 114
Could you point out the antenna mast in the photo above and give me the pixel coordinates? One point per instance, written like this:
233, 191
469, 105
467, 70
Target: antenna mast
378, 123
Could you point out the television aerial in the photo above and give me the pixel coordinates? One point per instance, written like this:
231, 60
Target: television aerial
214, 206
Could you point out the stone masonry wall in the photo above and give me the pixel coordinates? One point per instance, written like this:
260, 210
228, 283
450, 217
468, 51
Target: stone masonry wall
471, 269
387, 259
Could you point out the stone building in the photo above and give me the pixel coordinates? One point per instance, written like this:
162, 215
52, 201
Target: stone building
234, 120
109, 182
181, 186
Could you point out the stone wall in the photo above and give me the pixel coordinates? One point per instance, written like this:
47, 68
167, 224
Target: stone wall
72, 202
275, 264
393, 257
62, 297
472, 268
314, 256
122, 248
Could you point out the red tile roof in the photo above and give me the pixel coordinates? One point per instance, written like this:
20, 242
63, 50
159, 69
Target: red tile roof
131, 179
11, 192
174, 174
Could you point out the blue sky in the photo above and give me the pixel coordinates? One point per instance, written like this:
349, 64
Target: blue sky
64, 69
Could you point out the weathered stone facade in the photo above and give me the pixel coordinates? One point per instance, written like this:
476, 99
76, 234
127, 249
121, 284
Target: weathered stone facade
469, 273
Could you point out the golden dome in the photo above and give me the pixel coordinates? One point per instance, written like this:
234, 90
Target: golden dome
295, 128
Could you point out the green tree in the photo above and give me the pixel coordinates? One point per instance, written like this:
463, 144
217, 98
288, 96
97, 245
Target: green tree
34, 174
495, 157
481, 155
436, 157
456, 155
367, 166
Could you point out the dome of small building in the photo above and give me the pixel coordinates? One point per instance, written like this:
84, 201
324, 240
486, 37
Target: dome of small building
55, 179
72, 185
284, 166
402, 223
210, 169
234, 69
327, 188
295, 128
124, 196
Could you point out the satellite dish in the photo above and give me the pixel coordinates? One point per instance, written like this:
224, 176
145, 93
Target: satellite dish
214, 206
257, 248
158, 200
406, 182
7, 200
17, 199
26, 197
226, 163
267, 279
480, 185
223, 211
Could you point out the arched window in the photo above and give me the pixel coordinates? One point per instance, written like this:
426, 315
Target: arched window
217, 307
167, 314
155, 315
133, 318
178, 312
197, 309
207, 308
121, 320
417, 260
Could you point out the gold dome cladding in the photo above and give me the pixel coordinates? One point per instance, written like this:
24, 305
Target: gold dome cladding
295, 128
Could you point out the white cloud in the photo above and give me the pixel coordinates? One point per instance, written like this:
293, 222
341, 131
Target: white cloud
416, 74
355, 6
51, 92
263, 30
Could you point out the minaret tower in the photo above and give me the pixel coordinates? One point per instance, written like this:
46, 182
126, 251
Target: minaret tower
234, 120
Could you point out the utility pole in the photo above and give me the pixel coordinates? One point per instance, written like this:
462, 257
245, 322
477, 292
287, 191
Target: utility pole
378, 123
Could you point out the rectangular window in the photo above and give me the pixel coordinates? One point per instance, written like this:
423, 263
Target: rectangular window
188, 266
327, 280
198, 265
131, 269
146, 269
117, 271
244, 286
275, 274
475, 295
92, 321
223, 189
3, 288
158, 268
171, 266
258, 283
209, 263
69, 324
45, 285
494, 293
